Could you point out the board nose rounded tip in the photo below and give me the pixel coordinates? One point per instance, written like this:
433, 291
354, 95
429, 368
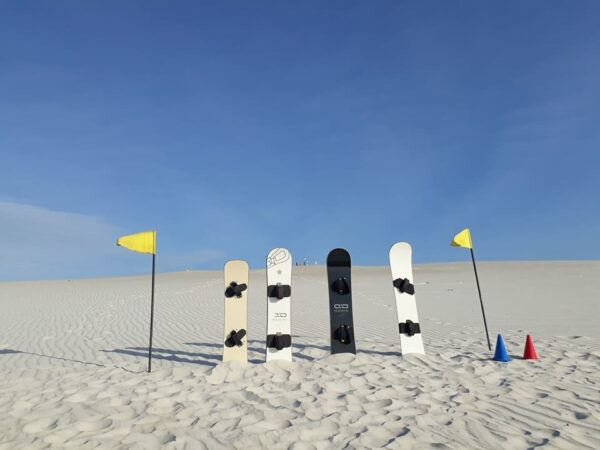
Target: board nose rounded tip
234, 262
338, 255
400, 247
339, 250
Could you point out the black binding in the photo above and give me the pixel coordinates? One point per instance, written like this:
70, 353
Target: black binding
235, 338
279, 341
341, 286
409, 327
279, 291
404, 286
235, 290
343, 333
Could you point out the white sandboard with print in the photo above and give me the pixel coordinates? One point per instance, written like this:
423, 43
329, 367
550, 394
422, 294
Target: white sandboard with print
406, 303
279, 297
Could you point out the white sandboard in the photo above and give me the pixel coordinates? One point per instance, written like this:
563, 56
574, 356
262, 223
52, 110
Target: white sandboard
279, 320
406, 303
236, 310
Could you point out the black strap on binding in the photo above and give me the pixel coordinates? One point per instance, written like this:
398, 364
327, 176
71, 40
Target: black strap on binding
234, 339
404, 286
409, 327
341, 286
235, 290
279, 291
343, 334
279, 341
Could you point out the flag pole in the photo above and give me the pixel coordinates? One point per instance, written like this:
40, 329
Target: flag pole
487, 335
152, 313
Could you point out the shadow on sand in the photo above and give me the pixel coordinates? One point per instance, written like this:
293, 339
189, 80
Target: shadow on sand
378, 352
8, 351
205, 357
256, 352
58, 358
219, 356
170, 355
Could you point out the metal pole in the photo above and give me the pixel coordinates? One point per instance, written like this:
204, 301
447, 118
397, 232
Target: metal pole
487, 335
151, 314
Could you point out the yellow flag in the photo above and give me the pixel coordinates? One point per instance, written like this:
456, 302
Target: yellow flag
144, 242
462, 239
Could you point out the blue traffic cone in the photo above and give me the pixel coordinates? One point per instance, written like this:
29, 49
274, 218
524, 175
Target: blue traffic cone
501, 353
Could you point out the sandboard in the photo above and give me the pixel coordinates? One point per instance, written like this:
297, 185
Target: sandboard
235, 341
279, 297
406, 304
339, 276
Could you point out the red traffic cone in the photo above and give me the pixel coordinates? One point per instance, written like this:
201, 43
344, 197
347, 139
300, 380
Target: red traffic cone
529, 349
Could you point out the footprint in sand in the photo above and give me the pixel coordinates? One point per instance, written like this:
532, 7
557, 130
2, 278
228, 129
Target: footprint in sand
61, 436
319, 431
40, 425
92, 424
375, 437
377, 405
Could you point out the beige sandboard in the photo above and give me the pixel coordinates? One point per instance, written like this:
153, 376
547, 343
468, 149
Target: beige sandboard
236, 310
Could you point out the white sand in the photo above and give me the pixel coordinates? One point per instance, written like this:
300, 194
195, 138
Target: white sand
73, 355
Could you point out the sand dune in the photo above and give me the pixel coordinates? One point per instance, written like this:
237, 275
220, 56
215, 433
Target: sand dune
73, 355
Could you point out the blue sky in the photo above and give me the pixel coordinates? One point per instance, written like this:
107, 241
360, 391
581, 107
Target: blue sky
235, 127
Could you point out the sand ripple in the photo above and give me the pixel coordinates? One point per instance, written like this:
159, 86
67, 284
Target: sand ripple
73, 359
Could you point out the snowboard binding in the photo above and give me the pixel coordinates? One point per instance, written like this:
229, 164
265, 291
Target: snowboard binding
341, 286
279, 341
343, 334
404, 286
279, 291
235, 290
234, 339
409, 327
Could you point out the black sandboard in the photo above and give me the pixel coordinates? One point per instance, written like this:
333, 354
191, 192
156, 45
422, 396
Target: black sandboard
340, 301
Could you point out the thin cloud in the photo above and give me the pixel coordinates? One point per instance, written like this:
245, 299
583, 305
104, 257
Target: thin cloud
40, 243
37, 242
191, 259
